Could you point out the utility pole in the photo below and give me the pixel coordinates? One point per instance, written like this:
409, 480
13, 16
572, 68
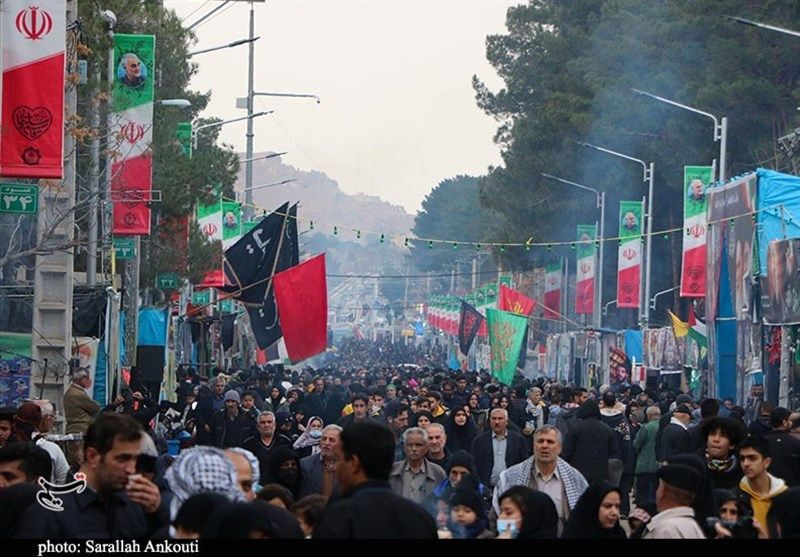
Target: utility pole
52, 299
248, 165
94, 185
474, 273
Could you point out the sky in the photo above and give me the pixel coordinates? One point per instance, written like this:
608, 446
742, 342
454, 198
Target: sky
397, 112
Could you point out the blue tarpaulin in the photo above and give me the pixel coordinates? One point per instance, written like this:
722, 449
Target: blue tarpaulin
776, 189
152, 327
633, 345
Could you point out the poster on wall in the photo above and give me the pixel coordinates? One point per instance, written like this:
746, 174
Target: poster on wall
780, 288
86, 349
731, 229
15, 368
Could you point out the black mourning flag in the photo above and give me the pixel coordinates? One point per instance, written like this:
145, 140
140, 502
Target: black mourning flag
226, 336
252, 259
468, 326
523, 352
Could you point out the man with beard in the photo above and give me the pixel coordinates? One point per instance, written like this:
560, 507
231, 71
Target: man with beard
116, 503
319, 470
231, 426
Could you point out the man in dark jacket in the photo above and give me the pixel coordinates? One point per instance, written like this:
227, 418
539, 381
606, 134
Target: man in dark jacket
499, 441
368, 508
784, 450
208, 405
230, 425
118, 504
674, 438
590, 443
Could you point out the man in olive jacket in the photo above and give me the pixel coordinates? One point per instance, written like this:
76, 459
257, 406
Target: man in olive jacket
79, 408
644, 445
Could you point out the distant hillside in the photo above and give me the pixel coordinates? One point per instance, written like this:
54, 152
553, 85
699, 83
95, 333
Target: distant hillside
322, 201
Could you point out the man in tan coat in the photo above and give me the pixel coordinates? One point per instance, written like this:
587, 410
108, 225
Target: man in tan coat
674, 497
79, 408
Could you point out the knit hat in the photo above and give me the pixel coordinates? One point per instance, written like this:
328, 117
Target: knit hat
461, 458
467, 494
282, 418
680, 476
232, 395
683, 409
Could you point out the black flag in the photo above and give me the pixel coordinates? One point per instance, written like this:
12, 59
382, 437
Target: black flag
278, 255
468, 326
227, 330
523, 352
248, 263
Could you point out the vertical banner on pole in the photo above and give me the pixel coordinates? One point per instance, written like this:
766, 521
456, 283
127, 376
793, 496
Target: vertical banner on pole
231, 223
33, 37
584, 270
552, 290
629, 265
696, 180
184, 135
131, 128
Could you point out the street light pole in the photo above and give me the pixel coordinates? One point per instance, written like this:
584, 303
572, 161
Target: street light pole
649, 175
249, 118
248, 166
720, 128
601, 205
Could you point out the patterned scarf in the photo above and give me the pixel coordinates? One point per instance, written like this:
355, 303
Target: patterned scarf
720, 465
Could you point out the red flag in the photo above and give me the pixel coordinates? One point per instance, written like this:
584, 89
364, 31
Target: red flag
302, 296
515, 302
31, 141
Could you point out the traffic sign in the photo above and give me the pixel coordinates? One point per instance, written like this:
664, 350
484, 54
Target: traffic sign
167, 281
16, 198
201, 297
124, 248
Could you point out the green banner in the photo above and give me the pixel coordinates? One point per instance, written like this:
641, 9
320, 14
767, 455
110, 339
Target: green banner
695, 183
184, 135
249, 225
231, 222
630, 219
506, 334
227, 306
134, 71
587, 234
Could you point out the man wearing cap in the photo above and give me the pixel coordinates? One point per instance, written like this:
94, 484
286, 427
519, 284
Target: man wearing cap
674, 438
230, 425
674, 496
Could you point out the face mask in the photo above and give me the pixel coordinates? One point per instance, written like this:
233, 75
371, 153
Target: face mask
287, 476
315, 433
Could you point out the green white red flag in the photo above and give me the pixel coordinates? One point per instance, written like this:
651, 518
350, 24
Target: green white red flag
629, 254
585, 270
696, 180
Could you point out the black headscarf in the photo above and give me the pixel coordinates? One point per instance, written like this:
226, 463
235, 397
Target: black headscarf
539, 514
415, 417
785, 510
460, 437
584, 523
281, 455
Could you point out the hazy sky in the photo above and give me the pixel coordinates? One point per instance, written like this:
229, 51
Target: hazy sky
398, 112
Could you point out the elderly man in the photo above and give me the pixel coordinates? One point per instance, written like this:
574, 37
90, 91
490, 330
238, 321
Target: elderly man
496, 450
415, 477
79, 407
437, 451
674, 497
133, 70
545, 471
319, 470
60, 465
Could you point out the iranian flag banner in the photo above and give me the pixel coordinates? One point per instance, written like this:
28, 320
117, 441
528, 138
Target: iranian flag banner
629, 254
209, 221
131, 129
696, 180
552, 290
33, 38
584, 276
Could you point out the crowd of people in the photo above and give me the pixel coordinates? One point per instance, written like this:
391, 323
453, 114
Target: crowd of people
386, 451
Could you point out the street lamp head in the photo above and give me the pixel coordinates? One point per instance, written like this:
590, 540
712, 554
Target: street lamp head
182, 103
109, 17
